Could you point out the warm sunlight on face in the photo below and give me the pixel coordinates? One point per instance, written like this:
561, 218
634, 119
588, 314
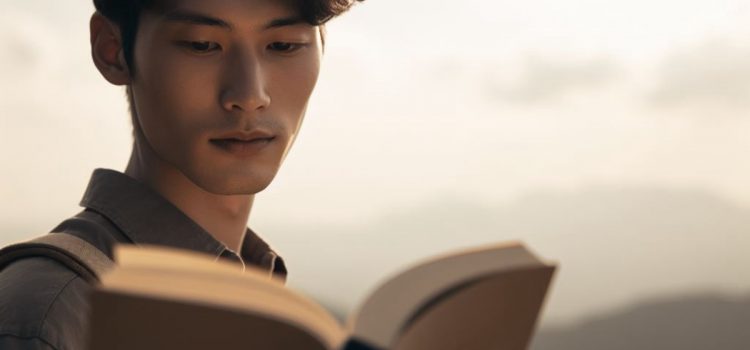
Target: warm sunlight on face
557, 122
221, 88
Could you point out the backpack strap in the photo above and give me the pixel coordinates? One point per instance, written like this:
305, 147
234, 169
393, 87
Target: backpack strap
74, 253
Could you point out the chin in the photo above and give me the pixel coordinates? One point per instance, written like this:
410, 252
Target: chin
232, 185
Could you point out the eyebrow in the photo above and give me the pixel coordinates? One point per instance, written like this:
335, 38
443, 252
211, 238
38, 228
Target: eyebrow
201, 19
283, 22
195, 18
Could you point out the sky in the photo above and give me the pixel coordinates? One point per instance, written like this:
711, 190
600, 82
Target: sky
492, 118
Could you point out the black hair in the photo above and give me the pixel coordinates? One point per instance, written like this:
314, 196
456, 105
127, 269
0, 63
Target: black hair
126, 15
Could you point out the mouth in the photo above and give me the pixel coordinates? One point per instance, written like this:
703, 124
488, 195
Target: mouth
243, 144
225, 143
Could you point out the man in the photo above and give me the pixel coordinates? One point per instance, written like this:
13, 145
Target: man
217, 90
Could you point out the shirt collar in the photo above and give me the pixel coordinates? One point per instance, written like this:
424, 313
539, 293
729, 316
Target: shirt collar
145, 217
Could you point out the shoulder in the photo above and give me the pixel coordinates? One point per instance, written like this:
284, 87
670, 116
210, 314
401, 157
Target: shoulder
94, 228
41, 299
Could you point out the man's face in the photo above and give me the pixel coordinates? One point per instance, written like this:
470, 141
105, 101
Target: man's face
221, 87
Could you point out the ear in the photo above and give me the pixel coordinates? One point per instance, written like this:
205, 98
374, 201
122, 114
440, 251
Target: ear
106, 50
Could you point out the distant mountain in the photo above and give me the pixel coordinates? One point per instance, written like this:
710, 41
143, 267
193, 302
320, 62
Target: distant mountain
698, 322
615, 245
694, 322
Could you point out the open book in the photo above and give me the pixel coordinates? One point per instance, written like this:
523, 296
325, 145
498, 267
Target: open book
162, 298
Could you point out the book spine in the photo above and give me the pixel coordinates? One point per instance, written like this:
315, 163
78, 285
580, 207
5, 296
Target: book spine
354, 344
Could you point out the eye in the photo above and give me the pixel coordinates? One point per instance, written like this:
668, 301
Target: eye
201, 47
284, 47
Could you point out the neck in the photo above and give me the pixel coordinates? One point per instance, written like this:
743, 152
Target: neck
223, 216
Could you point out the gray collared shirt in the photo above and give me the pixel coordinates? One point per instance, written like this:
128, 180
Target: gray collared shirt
44, 305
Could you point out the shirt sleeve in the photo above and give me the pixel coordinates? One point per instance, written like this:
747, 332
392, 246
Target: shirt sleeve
10, 342
43, 305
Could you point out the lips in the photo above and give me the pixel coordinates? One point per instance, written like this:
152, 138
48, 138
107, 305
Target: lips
224, 143
243, 143
243, 136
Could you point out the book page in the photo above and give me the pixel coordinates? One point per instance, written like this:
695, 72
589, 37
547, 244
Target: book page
127, 322
198, 280
387, 310
497, 312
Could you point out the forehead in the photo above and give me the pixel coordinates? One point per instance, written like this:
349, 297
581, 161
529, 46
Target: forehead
245, 12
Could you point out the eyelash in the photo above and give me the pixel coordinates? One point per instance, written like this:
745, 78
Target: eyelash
287, 47
291, 47
193, 46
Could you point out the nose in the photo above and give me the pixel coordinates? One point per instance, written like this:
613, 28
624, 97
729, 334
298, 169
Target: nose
245, 87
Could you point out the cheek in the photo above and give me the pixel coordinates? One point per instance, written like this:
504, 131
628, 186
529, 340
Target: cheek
172, 98
307, 74
294, 85
179, 86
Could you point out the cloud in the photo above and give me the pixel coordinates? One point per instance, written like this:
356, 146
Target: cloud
18, 53
714, 74
29, 47
550, 79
